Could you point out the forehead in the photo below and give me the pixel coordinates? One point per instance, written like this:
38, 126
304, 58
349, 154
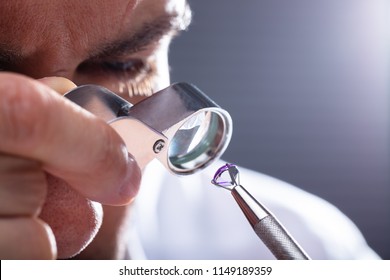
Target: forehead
27, 26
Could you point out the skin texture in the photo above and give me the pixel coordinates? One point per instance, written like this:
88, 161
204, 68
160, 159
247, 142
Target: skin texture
59, 163
66, 223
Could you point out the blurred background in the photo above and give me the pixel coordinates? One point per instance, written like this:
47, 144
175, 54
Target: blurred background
307, 85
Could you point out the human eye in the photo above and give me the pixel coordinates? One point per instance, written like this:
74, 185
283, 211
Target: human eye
131, 67
128, 77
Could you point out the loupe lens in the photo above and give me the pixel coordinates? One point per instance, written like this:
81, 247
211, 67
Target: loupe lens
200, 139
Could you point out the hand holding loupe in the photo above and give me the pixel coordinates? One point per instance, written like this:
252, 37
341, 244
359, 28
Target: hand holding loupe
179, 125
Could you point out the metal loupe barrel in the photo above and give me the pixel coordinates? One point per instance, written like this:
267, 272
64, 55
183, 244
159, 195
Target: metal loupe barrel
191, 129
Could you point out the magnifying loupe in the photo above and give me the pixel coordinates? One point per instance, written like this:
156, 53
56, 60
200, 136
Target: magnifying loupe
179, 125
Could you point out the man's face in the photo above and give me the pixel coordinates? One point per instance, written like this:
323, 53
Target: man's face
121, 45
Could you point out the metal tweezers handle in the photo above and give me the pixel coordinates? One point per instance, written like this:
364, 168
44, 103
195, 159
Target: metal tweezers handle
278, 240
267, 227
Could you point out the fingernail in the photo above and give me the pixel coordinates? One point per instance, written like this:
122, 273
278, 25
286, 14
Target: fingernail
59, 84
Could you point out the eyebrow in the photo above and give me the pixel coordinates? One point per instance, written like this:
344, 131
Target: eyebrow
168, 24
147, 34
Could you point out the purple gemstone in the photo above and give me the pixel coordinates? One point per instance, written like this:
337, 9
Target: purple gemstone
217, 180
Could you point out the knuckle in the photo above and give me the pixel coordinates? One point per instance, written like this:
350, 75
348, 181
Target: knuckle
23, 186
26, 238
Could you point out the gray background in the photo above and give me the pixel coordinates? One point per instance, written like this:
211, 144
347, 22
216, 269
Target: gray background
306, 82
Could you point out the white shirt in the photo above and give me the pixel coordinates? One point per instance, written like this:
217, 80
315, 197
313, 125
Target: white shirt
189, 218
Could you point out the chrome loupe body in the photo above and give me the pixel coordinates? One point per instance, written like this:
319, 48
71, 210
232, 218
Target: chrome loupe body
178, 125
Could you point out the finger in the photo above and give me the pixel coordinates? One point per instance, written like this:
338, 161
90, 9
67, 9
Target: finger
22, 186
71, 143
59, 84
26, 238
73, 219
